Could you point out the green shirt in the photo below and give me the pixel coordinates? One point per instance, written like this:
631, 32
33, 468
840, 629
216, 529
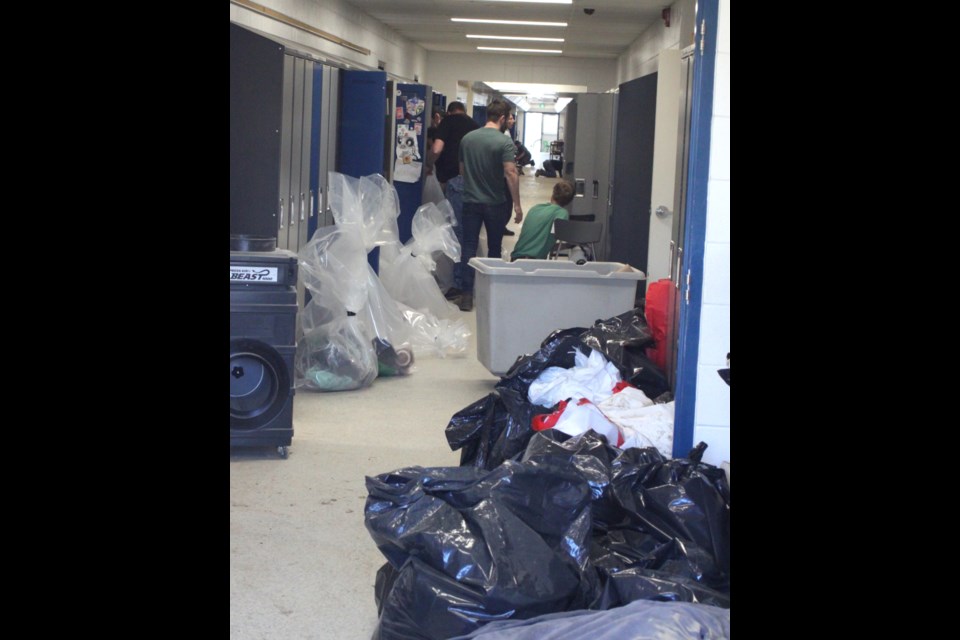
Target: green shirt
536, 237
483, 153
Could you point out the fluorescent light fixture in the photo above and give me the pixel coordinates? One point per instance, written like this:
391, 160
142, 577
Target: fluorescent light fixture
470, 35
530, 88
536, 1
520, 50
524, 22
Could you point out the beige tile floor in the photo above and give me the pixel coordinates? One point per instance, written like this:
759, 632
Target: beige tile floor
302, 564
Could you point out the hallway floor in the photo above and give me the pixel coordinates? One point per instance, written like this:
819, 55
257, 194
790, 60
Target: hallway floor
302, 564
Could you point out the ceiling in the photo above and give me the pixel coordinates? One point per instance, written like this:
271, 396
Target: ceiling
607, 33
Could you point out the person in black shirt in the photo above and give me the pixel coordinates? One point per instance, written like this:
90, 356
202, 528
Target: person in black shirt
445, 151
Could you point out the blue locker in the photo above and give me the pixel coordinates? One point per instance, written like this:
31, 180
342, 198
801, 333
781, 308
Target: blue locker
362, 128
412, 109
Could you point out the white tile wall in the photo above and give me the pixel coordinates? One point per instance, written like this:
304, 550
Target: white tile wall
713, 408
720, 145
721, 90
718, 443
723, 29
718, 211
714, 335
716, 273
712, 419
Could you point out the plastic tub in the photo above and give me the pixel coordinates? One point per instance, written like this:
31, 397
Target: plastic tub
520, 303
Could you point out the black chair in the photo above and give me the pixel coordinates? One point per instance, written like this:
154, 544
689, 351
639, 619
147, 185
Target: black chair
575, 233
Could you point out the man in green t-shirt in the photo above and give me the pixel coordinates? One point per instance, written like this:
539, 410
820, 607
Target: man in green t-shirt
536, 235
490, 182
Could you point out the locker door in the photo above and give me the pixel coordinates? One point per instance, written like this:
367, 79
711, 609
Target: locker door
286, 144
303, 206
570, 144
256, 92
328, 139
316, 109
585, 160
296, 153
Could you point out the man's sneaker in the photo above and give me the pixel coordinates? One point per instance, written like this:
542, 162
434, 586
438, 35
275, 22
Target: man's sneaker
466, 302
508, 232
452, 294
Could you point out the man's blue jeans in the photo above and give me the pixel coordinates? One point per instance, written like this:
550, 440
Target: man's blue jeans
475, 215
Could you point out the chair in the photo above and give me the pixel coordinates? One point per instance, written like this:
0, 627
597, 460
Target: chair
575, 233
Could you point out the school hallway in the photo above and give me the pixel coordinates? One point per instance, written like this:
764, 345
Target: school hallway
302, 564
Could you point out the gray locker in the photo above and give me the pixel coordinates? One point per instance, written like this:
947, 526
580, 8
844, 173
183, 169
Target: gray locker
294, 205
588, 160
286, 144
328, 140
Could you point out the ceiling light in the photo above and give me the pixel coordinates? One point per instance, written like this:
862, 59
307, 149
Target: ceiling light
530, 87
524, 22
523, 50
470, 35
537, 1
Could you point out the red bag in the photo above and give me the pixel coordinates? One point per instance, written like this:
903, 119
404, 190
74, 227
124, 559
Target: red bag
658, 296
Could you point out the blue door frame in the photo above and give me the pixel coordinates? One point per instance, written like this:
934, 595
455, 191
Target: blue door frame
704, 65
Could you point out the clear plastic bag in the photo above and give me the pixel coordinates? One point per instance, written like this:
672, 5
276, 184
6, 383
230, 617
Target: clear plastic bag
406, 272
336, 356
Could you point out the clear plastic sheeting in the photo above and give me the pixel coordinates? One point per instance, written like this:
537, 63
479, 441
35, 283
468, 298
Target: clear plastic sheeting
336, 356
406, 272
336, 351
368, 204
353, 328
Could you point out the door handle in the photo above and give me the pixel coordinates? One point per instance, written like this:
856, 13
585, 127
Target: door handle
673, 246
596, 189
292, 217
663, 212
580, 185
301, 206
312, 202
281, 213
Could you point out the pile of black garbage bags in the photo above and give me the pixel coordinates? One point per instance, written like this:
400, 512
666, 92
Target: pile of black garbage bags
536, 523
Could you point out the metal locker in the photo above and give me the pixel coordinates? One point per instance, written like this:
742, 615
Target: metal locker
256, 92
328, 142
588, 155
286, 144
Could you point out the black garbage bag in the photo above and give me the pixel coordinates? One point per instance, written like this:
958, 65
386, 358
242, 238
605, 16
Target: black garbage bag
671, 516
557, 350
472, 546
497, 428
493, 429
638, 583
620, 335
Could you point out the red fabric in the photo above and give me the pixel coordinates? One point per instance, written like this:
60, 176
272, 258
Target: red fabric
656, 314
620, 386
544, 421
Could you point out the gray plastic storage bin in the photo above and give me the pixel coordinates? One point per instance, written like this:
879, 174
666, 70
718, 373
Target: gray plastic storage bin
520, 303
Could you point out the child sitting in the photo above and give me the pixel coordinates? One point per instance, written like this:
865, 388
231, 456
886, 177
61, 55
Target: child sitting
536, 234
